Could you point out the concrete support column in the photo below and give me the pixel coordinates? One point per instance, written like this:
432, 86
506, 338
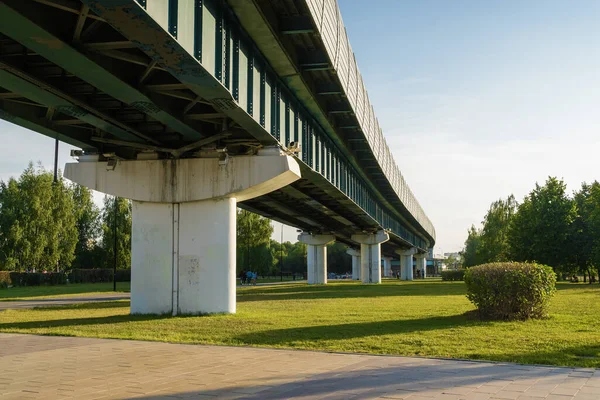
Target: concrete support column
422, 264
183, 239
406, 263
316, 257
355, 263
370, 255
183, 257
387, 267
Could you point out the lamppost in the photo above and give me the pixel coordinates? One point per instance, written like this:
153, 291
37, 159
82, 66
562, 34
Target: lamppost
281, 255
115, 245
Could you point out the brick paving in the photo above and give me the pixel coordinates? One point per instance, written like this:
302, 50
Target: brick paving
38, 367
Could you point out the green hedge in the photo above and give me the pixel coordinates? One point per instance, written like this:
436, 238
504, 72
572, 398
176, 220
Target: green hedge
98, 275
9, 278
511, 290
453, 275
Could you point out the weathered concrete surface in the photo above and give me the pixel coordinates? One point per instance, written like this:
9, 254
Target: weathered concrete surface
37, 367
190, 179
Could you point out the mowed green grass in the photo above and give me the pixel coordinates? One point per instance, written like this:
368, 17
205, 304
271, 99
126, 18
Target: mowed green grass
423, 318
60, 291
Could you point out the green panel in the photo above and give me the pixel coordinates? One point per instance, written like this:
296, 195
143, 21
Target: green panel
186, 25
209, 37
243, 78
159, 10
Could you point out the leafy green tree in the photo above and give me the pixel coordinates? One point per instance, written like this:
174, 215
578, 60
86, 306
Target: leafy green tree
471, 255
593, 223
37, 222
338, 261
253, 231
540, 229
88, 253
494, 245
581, 240
123, 220
295, 262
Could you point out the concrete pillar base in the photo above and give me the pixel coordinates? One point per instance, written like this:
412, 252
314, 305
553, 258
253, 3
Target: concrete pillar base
316, 257
355, 263
387, 267
370, 255
406, 263
183, 238
422, 264
183, 257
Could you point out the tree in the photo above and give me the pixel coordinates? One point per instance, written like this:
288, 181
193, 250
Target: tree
88, 227
123, 212
253, 231
494, 245
471, 255
540, 229
37, 222
581, 240
593, 223
338, 261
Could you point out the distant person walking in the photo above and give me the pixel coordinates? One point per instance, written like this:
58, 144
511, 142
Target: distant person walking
243, 277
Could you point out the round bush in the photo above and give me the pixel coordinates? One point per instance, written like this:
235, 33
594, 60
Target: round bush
511, 290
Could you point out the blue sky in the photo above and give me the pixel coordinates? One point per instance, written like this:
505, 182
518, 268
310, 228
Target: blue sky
477, 100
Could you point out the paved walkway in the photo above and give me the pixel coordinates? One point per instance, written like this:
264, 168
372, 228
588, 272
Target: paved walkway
91, 298
37, 367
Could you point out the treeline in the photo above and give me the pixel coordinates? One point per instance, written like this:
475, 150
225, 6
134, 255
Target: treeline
549, 227
55, 226
257, 252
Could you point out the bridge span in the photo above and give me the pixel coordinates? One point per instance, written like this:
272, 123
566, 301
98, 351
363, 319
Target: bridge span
191, 108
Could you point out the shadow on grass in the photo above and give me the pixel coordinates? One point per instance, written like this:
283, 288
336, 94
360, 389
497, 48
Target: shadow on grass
276, 337
350, 290
85, 306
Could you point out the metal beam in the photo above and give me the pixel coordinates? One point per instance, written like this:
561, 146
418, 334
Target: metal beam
133, 22
296, 25
66, 5
110, 45
52, 48
80, 23
175, 152
49, 96
40, 125
328, 88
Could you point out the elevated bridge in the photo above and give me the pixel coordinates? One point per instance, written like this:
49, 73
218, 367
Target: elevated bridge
193, 107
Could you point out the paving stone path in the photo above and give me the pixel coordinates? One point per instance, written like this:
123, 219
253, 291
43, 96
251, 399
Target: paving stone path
38, 367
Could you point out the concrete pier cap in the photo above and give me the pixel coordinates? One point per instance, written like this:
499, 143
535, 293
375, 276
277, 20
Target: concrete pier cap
316, 257
183, 245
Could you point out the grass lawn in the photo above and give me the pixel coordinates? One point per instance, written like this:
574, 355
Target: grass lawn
76, 289
424, 318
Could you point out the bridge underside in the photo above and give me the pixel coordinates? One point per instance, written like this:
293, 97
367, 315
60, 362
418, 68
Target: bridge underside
67, 74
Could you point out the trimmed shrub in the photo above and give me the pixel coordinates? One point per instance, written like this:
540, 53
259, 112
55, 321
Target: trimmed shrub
31, 278
453, 275
123, 275
98, 275
511, 290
